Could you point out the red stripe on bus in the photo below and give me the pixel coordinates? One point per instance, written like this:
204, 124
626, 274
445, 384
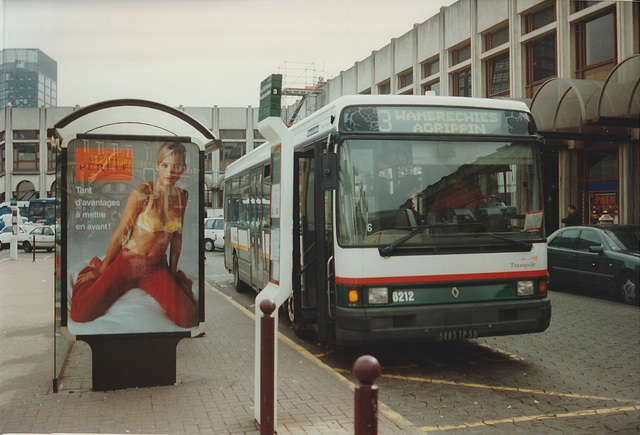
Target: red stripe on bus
440, 278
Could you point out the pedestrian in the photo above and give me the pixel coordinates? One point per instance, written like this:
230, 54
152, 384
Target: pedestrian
573, 218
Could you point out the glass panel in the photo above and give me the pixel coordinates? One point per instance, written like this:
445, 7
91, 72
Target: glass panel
543, 17
233, 134
233, 150
599, 38
603, 163
499, 76
435, 87
463, 80
544, 58
587, 240
498, 38
452, 191
462, 54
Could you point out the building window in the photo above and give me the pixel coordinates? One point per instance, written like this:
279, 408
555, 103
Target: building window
462, 83
384, 88
496, 39
460, 55
233, 146
366, 92
405, 79
25, 157
233, 134
258, 139
2, 159
430, 68
208, 162
596, 42
434, 86
498, 76
26, 134
52, 154
541, 18
26, 191
541, 63
231, 151
580, 5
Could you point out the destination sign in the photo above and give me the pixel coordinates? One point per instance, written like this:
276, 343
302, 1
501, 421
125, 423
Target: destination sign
435, 120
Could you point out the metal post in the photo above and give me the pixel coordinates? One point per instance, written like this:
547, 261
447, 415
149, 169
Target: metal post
33, 246
366, 369
267, 363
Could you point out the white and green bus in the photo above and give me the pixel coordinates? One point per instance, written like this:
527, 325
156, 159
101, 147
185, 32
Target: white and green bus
415, 217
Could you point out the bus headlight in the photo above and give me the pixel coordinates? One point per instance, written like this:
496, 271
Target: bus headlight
525, 288
378, 295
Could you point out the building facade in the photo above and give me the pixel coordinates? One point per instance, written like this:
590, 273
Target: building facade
576, 63
566, 59
28, 78
27, 160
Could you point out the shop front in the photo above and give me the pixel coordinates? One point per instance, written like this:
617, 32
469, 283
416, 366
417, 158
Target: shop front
592, 153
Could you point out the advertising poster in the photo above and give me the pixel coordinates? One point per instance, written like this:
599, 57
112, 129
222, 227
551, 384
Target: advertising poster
132, 236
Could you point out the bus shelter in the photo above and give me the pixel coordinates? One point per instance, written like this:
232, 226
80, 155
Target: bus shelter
129, 244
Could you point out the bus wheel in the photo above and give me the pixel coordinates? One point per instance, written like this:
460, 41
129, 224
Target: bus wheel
296, 326
237, 283
289, 308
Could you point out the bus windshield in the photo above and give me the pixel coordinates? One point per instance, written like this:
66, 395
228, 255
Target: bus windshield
438, 194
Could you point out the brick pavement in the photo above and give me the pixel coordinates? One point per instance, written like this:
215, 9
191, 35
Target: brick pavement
214, 389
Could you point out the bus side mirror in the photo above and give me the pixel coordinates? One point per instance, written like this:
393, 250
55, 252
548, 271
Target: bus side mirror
329, 167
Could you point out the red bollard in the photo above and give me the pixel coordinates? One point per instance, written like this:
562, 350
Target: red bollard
366, 369
267, 364
33, 247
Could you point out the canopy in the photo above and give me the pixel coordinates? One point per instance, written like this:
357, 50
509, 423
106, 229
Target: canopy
570, 105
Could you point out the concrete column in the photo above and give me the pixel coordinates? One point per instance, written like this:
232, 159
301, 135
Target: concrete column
564, 39
516, 72
476, 48
444, 58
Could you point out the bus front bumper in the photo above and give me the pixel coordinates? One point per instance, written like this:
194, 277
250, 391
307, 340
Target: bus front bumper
441, 322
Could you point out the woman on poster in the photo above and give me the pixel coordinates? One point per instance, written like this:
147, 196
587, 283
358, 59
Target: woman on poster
137, 253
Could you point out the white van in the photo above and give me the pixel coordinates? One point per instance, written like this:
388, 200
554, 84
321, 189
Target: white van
213, 234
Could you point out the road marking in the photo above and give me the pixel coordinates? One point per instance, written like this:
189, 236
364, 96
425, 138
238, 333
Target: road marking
538, 417
498, 388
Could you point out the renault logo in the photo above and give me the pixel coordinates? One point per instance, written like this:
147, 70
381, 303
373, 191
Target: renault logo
455, 292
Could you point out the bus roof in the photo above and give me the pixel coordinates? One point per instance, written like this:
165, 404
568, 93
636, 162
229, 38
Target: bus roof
325, 119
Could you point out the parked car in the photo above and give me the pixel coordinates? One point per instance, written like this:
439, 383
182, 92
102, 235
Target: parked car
5, 235
213, 233
601, 257
44, 237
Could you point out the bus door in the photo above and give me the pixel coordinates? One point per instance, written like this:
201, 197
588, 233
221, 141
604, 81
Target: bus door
310, 299
255, 228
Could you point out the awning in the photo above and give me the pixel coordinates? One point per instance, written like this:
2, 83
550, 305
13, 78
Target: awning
620, 97
589, 106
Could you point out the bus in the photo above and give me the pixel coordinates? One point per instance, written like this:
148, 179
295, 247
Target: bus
42, 211
431, 229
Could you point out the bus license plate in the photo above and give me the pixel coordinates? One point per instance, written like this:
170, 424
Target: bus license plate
458, 334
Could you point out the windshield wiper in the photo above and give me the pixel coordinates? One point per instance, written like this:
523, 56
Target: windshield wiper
392, 246
526, 245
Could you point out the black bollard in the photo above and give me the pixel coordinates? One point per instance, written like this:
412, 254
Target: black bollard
267, 364
366, 369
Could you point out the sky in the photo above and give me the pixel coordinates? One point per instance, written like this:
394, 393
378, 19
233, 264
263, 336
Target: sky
201, 53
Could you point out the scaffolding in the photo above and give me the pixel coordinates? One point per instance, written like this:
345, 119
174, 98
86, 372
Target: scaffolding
300, 90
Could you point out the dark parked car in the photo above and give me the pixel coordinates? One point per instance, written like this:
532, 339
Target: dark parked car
596, 257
